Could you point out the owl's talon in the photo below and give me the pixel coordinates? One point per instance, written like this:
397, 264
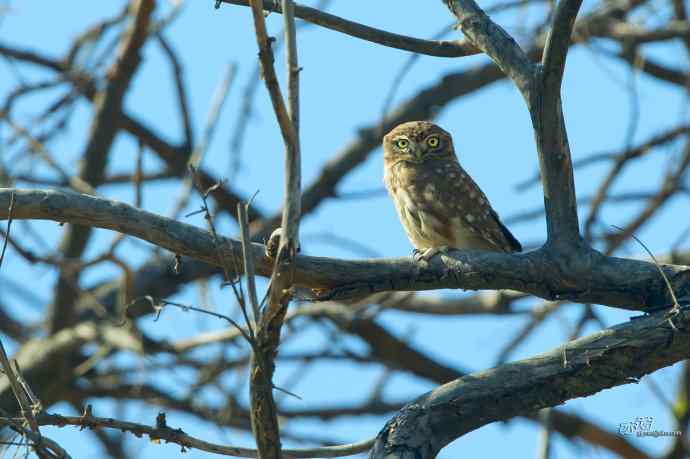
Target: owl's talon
428, 254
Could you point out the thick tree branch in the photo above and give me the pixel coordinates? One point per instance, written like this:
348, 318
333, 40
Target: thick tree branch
495, 42
612, 357
551, 136
580, 275
558, 43
540, 87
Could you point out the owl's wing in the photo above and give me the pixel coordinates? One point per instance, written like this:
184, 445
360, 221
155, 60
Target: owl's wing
463, 199
515, 245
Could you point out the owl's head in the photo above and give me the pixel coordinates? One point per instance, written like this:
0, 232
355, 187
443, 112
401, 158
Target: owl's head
417, 142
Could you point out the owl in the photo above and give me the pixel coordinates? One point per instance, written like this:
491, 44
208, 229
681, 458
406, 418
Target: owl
438, 203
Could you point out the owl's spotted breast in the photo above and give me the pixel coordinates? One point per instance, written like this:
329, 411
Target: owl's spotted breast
424, 227
423, 207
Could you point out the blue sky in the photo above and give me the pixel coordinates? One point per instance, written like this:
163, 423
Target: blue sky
344, 84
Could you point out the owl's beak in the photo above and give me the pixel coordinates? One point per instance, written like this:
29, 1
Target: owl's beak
419, 154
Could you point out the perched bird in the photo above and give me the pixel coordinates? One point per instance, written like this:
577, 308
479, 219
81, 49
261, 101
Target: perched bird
438, 203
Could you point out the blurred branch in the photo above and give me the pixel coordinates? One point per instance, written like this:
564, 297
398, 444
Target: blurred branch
197, 154
633, 34
673, 179
545, 434
681, 13
655, 69
384, 346
619, 156
175, 156
492, 302
107, 107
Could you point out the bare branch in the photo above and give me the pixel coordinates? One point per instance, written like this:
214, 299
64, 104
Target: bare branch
558, 43
10, 210
247, 259
269, 74
162, 432
20, 395
495, 42
441, 48
612, 357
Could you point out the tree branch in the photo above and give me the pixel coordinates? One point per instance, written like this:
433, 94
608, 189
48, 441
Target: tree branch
558, 43
587, 276
440, 48
162, 432
609, 358
550, 131
495, 42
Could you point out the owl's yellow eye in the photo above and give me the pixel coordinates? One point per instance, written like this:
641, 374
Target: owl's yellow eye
432, 142
402, 143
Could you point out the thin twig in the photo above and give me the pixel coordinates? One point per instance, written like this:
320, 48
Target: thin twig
270, 78
20, 395
186, 307
10, 210
177, 436
676, 305
248, 259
